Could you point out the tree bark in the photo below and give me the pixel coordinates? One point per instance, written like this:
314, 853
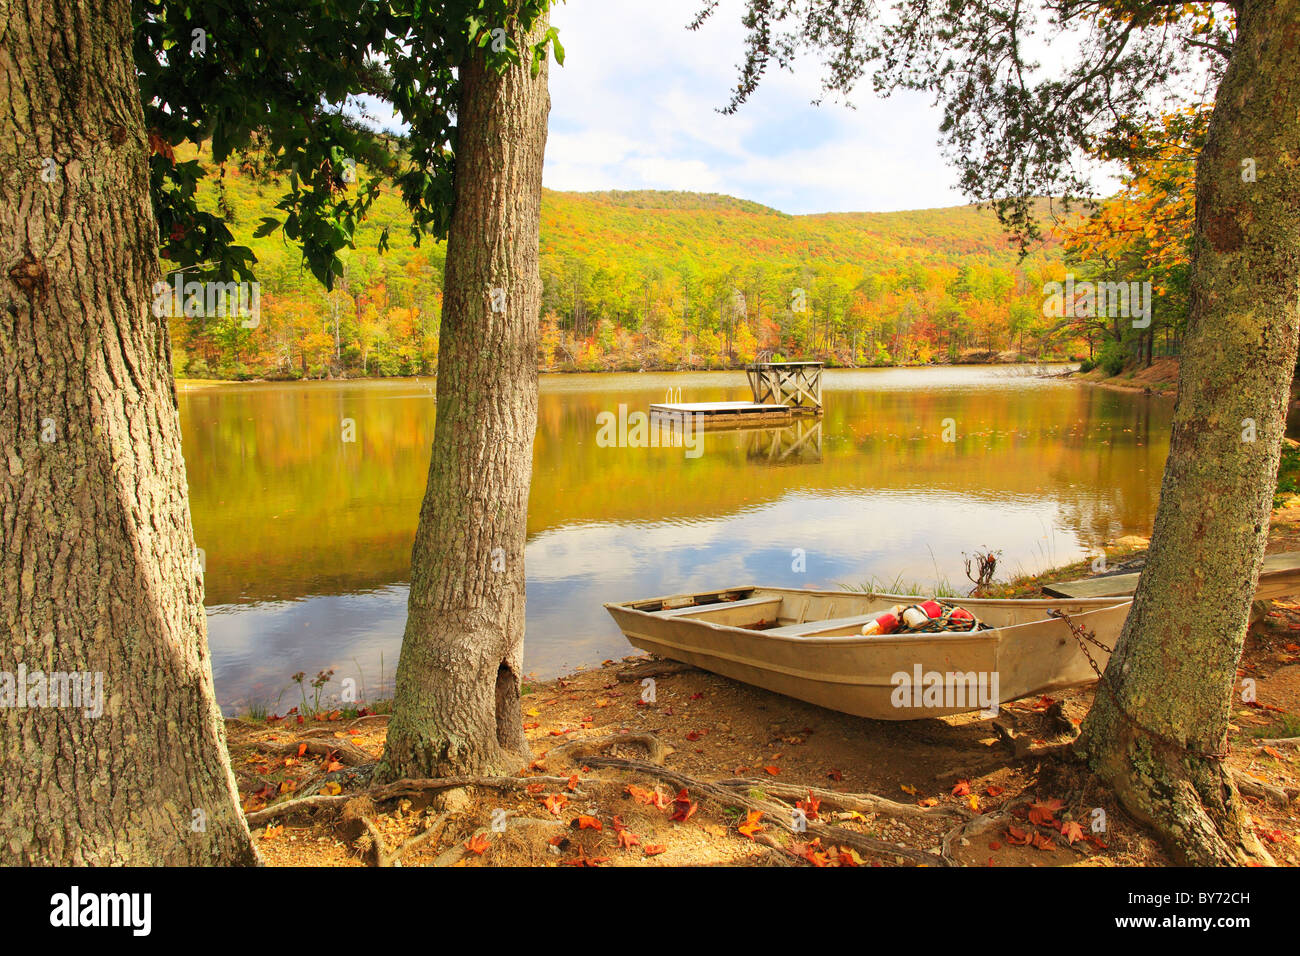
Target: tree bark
1173, 672
456, 703
98, 571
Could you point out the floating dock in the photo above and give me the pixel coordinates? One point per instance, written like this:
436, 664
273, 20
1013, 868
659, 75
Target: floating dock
781, 391
722, 414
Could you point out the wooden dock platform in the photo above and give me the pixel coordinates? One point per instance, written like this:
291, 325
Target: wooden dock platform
797, 385
722, 414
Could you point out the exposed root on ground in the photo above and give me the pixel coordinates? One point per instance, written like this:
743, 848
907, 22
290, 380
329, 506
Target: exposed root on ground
347, 753
778, 813
577, 751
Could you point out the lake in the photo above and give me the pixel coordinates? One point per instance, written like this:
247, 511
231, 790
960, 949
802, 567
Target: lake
306, 537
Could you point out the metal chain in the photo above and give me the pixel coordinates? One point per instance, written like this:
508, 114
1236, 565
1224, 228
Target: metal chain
1083, 637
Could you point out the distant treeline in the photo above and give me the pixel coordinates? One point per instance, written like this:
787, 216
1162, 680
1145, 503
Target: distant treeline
648, 280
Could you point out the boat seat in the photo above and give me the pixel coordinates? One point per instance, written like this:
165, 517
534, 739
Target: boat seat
813, 628
697, 609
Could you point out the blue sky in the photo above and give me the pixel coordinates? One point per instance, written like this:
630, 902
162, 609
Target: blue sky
634, 107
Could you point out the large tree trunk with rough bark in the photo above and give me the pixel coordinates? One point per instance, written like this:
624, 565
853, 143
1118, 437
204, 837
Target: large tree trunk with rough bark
97, 561
1159, 723
456, 705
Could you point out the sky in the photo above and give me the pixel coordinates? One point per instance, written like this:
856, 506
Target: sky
635, 107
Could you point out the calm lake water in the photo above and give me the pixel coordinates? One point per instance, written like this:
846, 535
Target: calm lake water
307, 538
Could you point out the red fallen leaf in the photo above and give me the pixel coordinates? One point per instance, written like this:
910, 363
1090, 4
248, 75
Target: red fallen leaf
1043, 703
531, 725
653, 849
1044, 811
583, 860
995, 845
573, 782
558, 840
961, 789
302, 749
683, 808
772, 770
810, 806
300, 719
534, 788
1071, 831
751, 824
696, 734
1017, 836
332, 766
627, 839
537, 765
697, 696
477, 844
555, 802
812, 852
849, 857
589, 823
1043, 842
835, 775
993, 790
639, 794
1272, 836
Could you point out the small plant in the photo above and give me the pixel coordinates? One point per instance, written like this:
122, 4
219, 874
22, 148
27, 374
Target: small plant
980, 567
318, 683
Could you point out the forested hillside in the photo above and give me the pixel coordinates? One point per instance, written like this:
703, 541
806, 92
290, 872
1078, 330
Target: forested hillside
644, 280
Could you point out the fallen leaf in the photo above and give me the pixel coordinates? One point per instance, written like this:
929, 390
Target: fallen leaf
751, 824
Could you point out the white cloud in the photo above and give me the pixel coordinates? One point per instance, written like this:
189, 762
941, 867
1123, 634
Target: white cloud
636, 107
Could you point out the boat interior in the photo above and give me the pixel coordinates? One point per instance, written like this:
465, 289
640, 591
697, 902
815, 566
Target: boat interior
796, 613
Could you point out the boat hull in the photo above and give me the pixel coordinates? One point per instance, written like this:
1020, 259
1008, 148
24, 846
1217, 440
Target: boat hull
825, 660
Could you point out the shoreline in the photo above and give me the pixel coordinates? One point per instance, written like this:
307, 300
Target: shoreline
183, 382
697, 775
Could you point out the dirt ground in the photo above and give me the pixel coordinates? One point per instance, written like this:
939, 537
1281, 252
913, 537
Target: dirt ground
873, 793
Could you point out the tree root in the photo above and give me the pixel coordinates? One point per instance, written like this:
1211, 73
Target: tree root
1249, 786
970, 772
398, 788
639, 672
577, 751
861, 802
379, 856
454, 854
348, 754
778, 814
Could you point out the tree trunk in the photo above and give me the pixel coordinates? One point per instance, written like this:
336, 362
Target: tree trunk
456, 704
98, 570
1174, 670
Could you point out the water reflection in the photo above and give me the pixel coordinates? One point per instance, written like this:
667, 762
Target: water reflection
794, 444
308, 537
